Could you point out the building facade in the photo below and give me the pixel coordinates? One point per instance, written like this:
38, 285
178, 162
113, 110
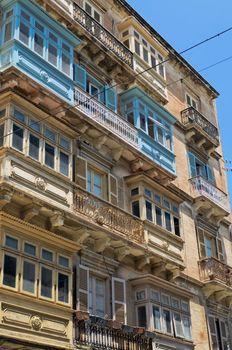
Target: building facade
114, 204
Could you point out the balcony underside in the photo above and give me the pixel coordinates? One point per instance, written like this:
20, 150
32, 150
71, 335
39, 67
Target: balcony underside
219, 291
199, 139
210, 209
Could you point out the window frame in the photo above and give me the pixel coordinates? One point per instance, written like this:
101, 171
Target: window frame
27, 259
94, 296
52, 299
57, 287
11, 254
93, 8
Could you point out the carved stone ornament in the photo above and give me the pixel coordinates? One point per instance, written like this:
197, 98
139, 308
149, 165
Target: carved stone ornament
36, 323
44, 75
40, 183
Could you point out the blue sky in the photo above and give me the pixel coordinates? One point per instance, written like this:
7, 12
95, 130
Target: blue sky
183, 23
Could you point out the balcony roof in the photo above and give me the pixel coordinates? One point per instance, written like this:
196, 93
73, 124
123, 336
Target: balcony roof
153, 32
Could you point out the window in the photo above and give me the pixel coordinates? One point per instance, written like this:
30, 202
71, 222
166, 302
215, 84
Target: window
92, 11
11, 242
96, 296
7, 26
29, 277
191, 102
46, 283
219, 333
94, 182
142, 316
141, 295
167, 326
156, 317
210, 245
54, 153
39, 39
9, 271
199, 168
47, 255
30, 249
53, 49
135, 209
24, 28
63, 287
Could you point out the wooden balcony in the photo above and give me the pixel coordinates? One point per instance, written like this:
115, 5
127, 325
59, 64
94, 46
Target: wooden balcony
107, 215
98, 333
217, 277
199, 130
108, 40
102, 115
209, 198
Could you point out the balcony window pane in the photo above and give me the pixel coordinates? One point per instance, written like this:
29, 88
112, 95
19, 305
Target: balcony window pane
145, 55
24, 33
176, 226
1, 135
135, 191
168, 141
63, 287
19, 116
151, 128
8, 31
142, 121
9, 271
50, 135
100, 297
34, 147
208, 246
167, 321
64, 143
178, 325
149, 211
28, 277
63, 261
156, 316
97, 185
142, 316
88, 8
34, 125
168, 225
147, 192
137, 47
130, 118
49, 155
17, 141
47, 255
30, 249
38, 44
97, 16
187, 327
135, 209
11, 242
158, 215
46, 282
64, 163
52, 54
153, 61
160, 137
65, 63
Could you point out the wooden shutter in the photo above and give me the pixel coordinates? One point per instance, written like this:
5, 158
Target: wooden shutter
80, 76
113, 189
81, 172
201, 242
192, 164
210, 174
119, 299
220, 253
110, 96
213, 332
224, 334
83, 288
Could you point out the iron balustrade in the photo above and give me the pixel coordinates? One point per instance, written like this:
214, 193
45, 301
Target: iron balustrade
98, 112
103, 35
191, 115
108, 215
212, 269
99, 335
201, 187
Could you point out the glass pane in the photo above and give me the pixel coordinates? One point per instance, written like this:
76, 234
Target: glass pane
167, 321
65, 64
8, 31
63, 261
145, 55
147, 192
168, 141
130, 118
50, 135
149, 211
1, 135
151, 128
49, 155
38, 44
34, 147
97, 185
88, 9
96, 16
52, 54
156, 315
155, 295
134, 191
141, 295
25, 16
160, 135
24, 33
53, 37
64, 163
46, 282
28, 277
142, 121
175, 303
47, 255
187, 327
142, 317
137, 47
34, 125
176, 226
19, 116
63, 288
30, 249
100, 306
64, 143
9, 271
158, 215
17, 141
11, 242
168, 221
166, 204
178, 325
135, 209
153, 61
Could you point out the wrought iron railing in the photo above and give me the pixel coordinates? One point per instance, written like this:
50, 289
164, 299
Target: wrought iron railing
201, 187
98, 333
212, 269
103, 35
106, 214
191, 115
95, 110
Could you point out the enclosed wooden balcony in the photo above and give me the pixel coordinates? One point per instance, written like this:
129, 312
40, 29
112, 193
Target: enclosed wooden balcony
209, 198
98, 32
99, 333
217, 277
100, 212
199, 130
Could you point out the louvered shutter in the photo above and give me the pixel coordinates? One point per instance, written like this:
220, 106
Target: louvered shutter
210, 174
113, 189
119, 299
81, 172
80, 76
192, 164
111, 99
201, 242
220, 254
213, 332
224, 335
83, 288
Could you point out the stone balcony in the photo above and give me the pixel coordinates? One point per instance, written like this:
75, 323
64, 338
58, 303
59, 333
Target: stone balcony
209, 198
217, 278
199, 130
98, 333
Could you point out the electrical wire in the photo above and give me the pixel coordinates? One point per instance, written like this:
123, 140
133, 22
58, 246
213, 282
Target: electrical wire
129, 80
